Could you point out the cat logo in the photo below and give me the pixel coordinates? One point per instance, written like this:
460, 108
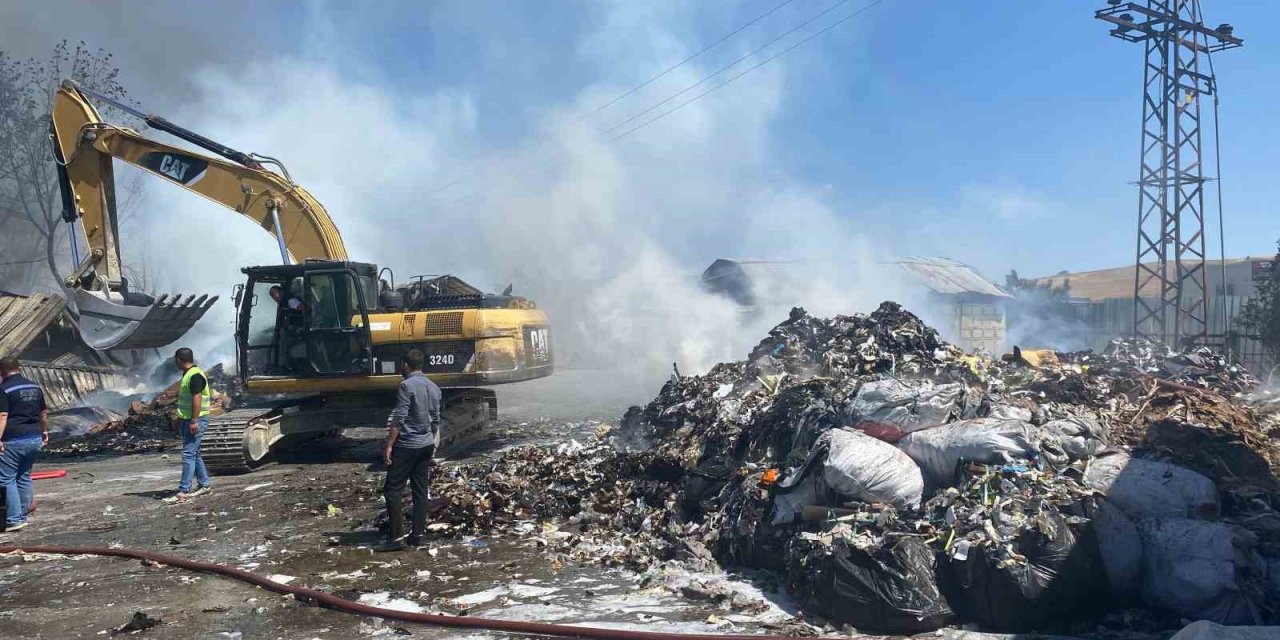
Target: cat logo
182, 169
537, 345
173, 167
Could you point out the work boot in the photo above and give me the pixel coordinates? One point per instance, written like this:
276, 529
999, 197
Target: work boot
392, 545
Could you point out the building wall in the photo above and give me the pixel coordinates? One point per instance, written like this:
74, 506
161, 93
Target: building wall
979, 325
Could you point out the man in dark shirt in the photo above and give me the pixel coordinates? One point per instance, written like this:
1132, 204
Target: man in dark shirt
412, 432
24, 430
291, 331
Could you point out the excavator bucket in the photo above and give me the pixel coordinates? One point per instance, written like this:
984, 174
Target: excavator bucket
105, 324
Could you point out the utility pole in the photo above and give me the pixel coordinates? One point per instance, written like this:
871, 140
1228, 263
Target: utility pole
1170, 299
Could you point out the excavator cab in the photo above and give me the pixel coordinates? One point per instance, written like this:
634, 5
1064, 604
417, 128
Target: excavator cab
307, 320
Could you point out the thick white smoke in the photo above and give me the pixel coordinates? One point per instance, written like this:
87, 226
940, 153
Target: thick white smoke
608, 236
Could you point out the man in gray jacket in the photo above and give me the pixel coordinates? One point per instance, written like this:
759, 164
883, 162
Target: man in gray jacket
412, 432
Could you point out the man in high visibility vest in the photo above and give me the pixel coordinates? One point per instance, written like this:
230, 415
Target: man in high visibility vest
195, 397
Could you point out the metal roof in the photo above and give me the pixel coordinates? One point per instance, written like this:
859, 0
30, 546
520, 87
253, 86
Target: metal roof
25, 318
947, 276
65, 386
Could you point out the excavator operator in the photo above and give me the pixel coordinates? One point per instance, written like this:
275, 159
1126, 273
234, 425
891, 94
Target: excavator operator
291, 328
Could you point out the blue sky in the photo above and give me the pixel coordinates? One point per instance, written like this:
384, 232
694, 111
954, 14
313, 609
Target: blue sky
1000, 133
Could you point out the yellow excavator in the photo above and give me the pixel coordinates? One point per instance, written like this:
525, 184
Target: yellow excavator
318, 337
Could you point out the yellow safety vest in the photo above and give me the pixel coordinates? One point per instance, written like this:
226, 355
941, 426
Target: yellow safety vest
184, 394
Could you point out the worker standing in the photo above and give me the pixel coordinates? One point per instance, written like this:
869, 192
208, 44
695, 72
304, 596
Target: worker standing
24, 430
412, 432
195, 397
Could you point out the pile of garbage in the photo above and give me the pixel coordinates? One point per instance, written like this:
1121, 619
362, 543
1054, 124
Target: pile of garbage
585, 502
903, 485
151, 424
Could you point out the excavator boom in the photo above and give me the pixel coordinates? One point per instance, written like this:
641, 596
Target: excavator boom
85, 146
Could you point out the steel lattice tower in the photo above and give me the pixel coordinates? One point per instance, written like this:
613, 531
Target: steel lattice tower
1169, 293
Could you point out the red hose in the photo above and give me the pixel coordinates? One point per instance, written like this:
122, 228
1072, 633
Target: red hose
333, 602
48, 475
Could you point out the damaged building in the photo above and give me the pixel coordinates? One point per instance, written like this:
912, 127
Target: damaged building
40, 332
974, 308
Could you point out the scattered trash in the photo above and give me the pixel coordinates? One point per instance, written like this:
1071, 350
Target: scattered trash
139, 622
387, 600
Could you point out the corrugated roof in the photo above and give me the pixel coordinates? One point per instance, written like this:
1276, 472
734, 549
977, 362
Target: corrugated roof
947, 276
64, 386
24, 318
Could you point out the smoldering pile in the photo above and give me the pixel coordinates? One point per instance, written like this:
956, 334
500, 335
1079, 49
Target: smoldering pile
150, 424
583, 501
904, 485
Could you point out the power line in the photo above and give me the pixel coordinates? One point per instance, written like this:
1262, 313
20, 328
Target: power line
725, 68
1222, 235
686, 60
33, 260
803, 41
749, 70
648, 82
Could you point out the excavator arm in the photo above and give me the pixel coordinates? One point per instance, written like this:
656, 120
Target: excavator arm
85, 146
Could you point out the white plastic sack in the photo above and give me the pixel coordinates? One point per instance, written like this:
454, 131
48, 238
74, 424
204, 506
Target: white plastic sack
890, 409
1120, 545
1079, 437
1150, 489
1205, 630
1273, 579
1198, 569
1010, 412
863, 468
985, 440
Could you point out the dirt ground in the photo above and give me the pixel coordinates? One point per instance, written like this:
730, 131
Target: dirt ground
307, 518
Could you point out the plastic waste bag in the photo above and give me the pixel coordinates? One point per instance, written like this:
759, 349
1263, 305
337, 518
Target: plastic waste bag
1205, 630
1009, 412
801, 488
1202, 570
1079, 437
885, 589
861, 467
1150, 489
1056, 578
986, 440
890, 409
1119, 544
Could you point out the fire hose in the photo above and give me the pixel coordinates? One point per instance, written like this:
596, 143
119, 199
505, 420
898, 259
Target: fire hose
331, 601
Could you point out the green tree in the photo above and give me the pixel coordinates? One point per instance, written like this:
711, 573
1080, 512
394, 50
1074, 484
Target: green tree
1260, 315
30, 204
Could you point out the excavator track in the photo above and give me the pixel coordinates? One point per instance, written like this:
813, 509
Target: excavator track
239, 441
469, 416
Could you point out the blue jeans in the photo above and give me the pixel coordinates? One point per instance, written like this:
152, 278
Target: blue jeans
192, 463
15, 476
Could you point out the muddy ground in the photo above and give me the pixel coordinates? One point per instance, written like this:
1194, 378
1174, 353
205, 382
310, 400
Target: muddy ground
307, 517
